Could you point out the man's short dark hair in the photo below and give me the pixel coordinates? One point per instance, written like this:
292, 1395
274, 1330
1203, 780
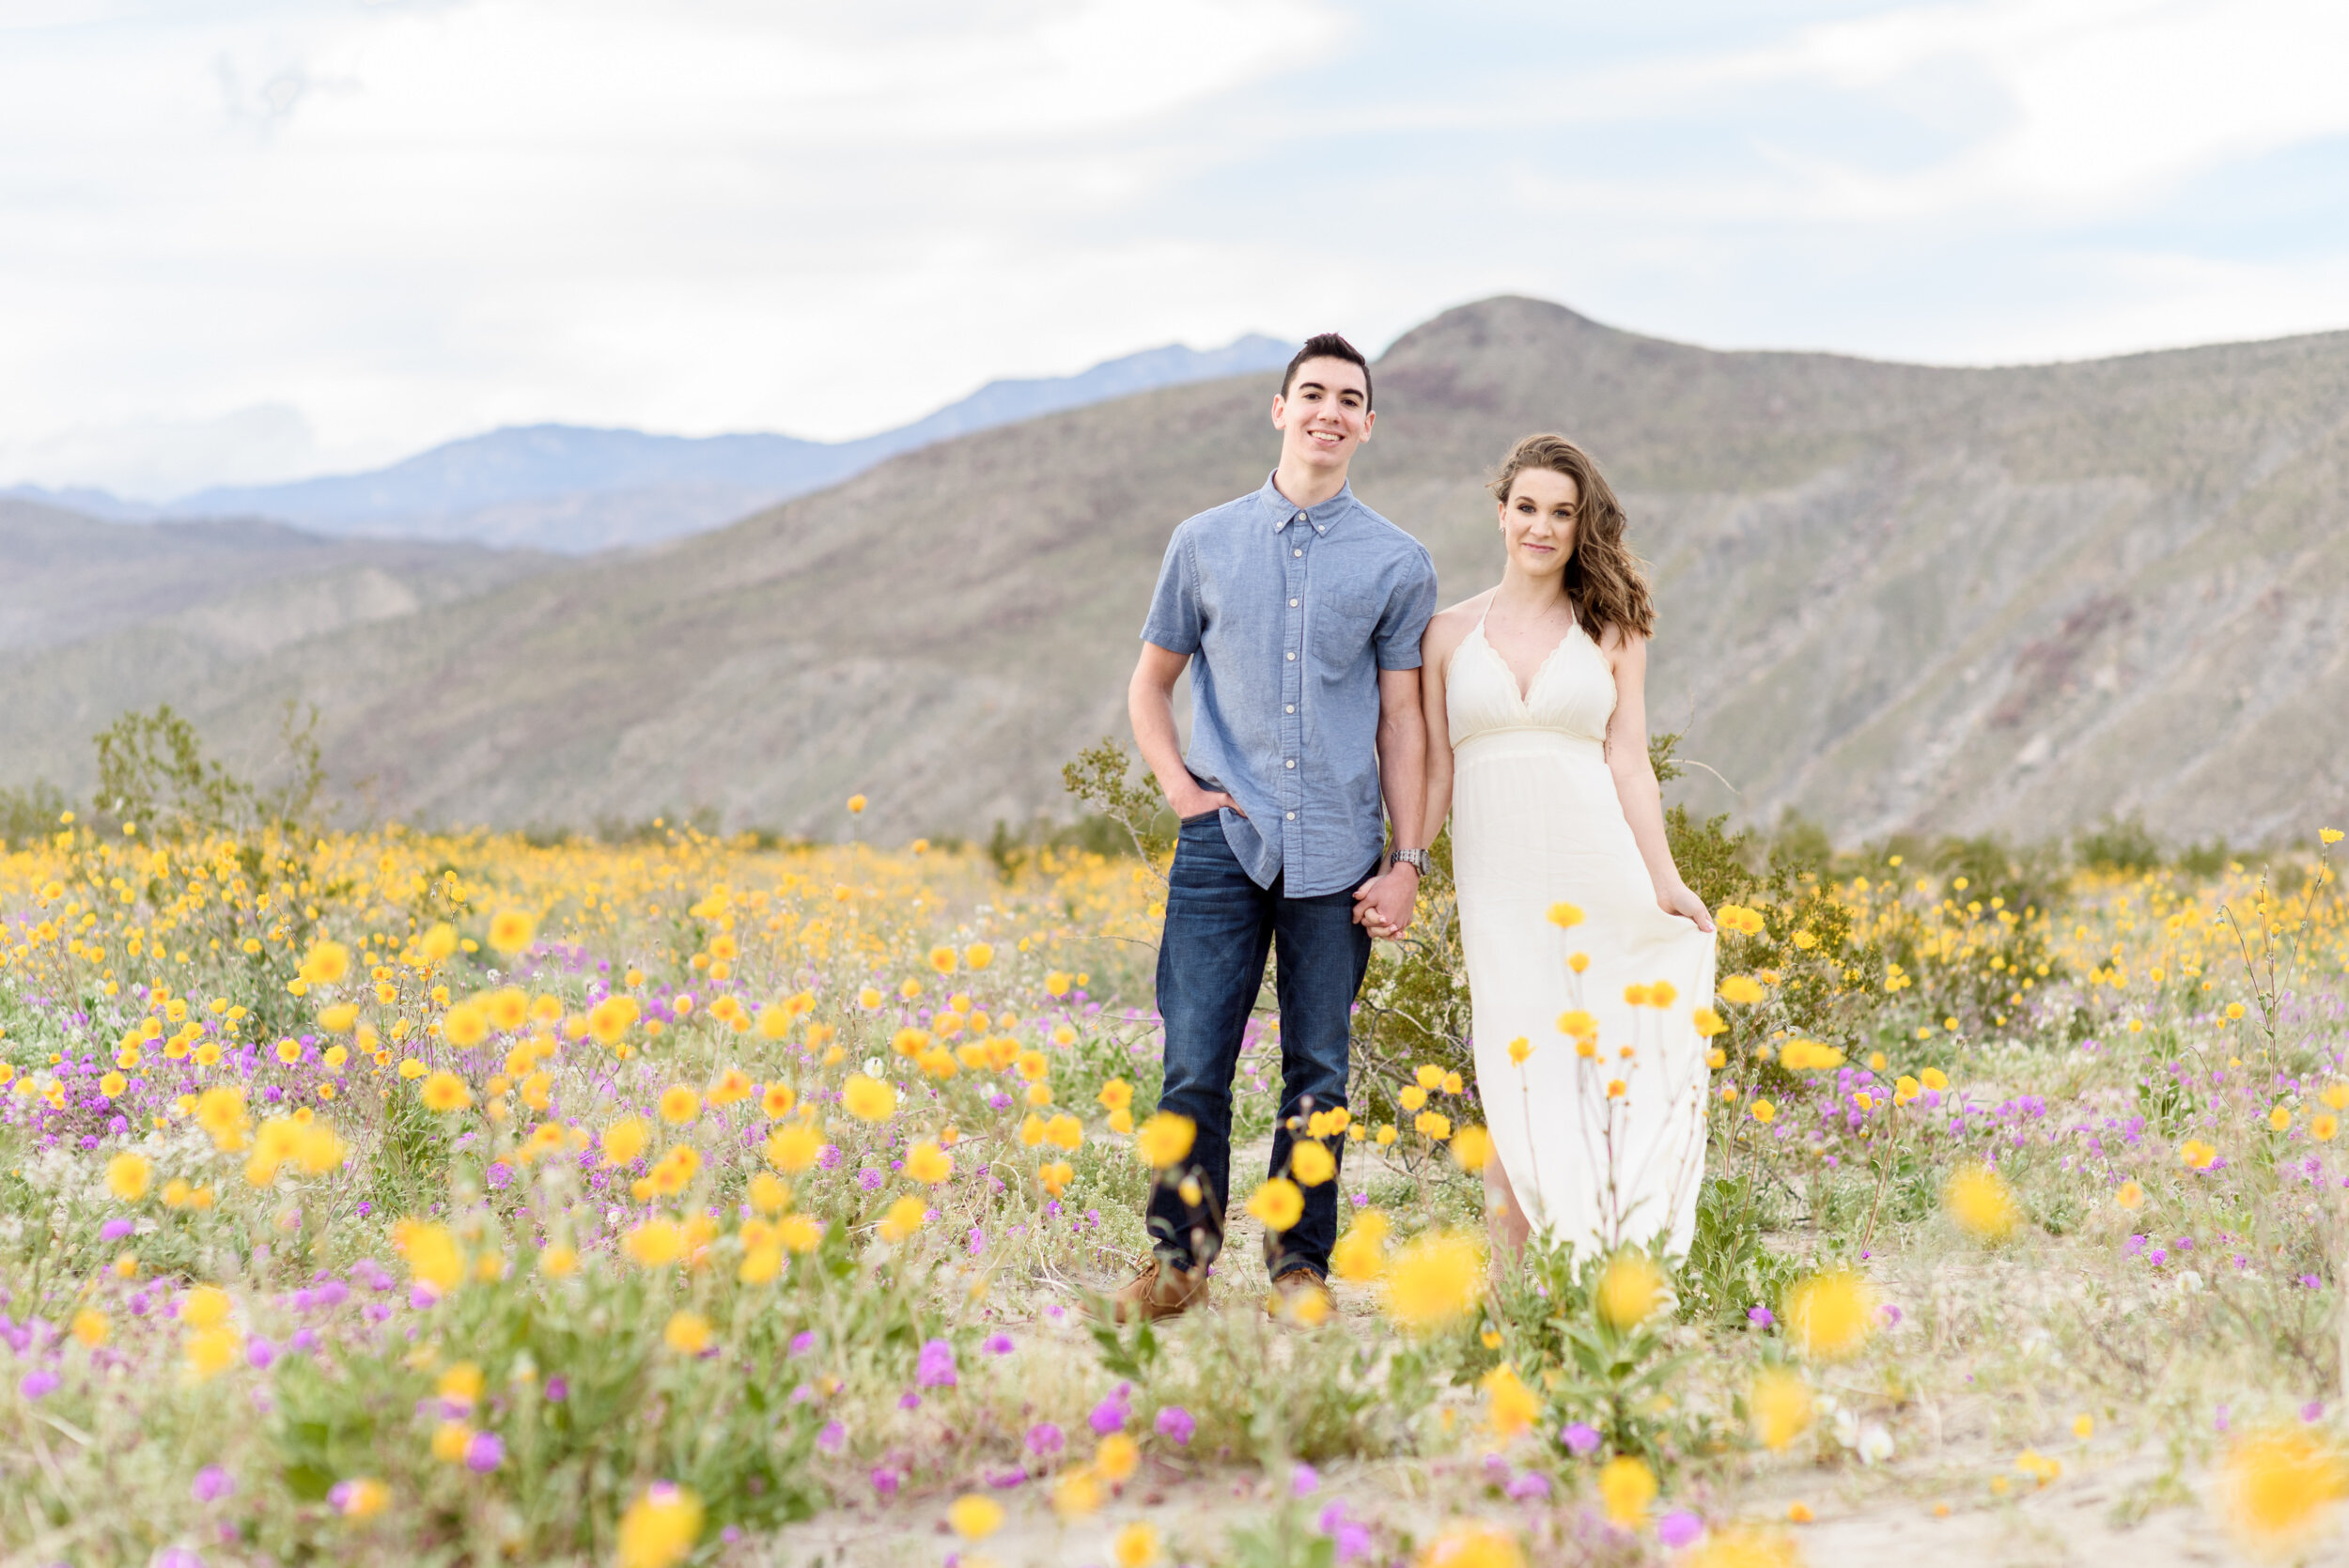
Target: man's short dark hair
1327, 346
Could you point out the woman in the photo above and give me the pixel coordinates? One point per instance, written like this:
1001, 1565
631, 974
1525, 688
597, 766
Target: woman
1586, 952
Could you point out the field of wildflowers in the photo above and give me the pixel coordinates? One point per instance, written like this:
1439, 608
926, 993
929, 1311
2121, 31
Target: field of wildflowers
391, 1197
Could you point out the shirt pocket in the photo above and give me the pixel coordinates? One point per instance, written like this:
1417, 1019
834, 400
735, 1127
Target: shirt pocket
1342, 627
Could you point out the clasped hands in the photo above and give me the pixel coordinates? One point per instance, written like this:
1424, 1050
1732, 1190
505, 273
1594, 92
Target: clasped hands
1386, 903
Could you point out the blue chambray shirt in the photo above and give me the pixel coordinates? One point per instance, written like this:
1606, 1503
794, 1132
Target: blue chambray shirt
1289, 613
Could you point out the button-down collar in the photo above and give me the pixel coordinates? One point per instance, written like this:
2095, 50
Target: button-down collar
1323, 516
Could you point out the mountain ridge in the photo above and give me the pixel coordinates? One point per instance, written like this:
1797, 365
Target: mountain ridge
1891, 597
580, 489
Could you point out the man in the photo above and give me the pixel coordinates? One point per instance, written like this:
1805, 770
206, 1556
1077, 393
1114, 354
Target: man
1298, 610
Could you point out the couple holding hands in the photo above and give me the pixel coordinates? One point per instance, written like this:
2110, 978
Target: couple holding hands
1323, 680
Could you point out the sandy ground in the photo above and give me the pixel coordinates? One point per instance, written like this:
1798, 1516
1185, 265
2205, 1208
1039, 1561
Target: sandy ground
2070, 1524
1934, 1512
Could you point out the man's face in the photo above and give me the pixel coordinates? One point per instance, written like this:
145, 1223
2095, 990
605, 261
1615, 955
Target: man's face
1325, 413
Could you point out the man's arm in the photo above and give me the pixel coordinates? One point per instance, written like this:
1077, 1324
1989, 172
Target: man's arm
1150, 705
1385, 903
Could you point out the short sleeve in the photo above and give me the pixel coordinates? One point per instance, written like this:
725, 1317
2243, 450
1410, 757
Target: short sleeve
1410, 605
1174, 621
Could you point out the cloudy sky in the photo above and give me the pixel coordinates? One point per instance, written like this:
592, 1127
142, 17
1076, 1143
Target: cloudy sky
244, 240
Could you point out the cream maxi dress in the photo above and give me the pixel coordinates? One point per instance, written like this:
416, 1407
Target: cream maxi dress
1601, 1148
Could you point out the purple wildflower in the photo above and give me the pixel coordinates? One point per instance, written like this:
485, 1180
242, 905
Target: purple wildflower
1174, 1423
1580, 1438
1676, 1530
485, 1452
935, 1367
1111, 1413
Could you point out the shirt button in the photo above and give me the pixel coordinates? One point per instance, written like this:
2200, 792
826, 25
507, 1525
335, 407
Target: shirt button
1292, 604
1292, 707
1292, 656
1297, 552
1300, 516
1292, 762
1292, 816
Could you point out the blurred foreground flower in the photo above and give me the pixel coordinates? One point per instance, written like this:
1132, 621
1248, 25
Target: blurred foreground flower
1165, 1140
1625, 1487
1979, 1199
1435, 1281
1630, 1291
1780, 1405
1360, 1254
1828, 1316
1278, 1203
1511, 1406
1744, 1547
511, 931
975, 1516
1472, 1544
2278, 1487
659, 1528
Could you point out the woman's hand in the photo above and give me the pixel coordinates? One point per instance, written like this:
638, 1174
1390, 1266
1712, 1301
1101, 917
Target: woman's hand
1683, 901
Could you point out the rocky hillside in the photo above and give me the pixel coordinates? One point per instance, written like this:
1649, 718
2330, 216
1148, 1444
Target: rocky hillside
1892, 596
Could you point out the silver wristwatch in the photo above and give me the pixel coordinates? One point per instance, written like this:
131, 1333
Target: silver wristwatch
1415, 859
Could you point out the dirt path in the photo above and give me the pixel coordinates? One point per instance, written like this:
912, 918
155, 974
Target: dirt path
2070, 1524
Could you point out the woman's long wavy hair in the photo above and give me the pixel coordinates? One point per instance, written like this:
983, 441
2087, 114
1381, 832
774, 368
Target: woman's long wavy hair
1606, 584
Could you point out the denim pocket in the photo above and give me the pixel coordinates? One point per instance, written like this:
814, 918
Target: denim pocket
1212, 814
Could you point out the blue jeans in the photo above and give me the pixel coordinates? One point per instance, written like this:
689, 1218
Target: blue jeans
1219, 927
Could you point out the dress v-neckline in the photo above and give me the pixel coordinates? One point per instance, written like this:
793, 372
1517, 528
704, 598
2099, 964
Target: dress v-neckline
1524, 697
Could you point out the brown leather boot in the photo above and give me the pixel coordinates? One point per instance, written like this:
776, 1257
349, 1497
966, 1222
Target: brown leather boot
1161, 1291
1301, 1297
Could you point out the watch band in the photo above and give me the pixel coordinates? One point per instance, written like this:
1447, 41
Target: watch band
1415, 859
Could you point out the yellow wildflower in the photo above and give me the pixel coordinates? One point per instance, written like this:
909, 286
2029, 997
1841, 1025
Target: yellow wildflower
1435, 1279
1278, 1203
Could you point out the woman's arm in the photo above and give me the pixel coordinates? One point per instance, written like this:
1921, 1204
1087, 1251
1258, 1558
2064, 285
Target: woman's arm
1435, 648
1636, 788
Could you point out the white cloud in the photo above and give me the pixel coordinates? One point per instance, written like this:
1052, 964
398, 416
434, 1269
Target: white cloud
410, 221
2104, 102
417, 221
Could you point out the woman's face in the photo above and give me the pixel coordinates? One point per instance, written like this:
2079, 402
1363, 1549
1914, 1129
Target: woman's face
1537, 521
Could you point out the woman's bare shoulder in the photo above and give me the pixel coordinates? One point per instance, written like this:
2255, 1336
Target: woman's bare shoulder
1453, 622
1621, 646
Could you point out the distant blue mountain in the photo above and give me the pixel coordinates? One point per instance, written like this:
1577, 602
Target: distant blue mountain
575, 488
